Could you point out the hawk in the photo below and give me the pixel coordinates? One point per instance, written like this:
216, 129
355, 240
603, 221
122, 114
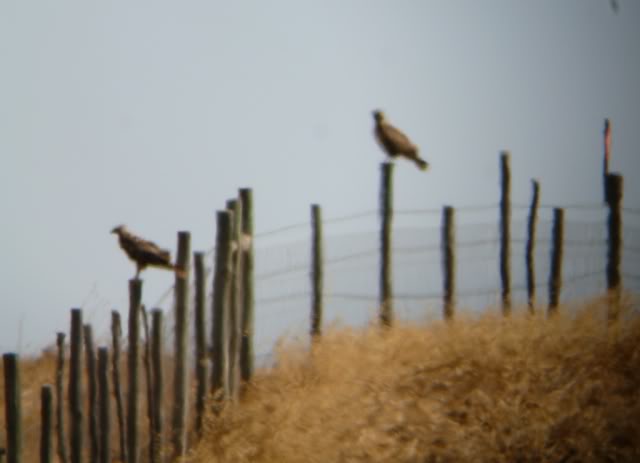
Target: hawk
144, 253
395, 143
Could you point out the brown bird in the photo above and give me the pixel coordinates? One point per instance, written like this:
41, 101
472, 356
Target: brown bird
144, 253
394, 142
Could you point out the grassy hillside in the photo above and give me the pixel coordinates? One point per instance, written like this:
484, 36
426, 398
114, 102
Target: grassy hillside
484, 389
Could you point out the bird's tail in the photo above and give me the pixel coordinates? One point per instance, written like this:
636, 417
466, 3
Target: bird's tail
421, 163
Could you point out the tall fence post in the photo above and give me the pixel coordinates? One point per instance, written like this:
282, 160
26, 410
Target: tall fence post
221, 290
93, 393
246, 246
135, 297
180, 386
62, 443
105, 403
555, 278
146, 359
505, 231
116, 337
75, 386
158, 383
199, 329
46, 421
530, 246
386, 212
614, 243
12, 407
448, 261
605, 158
317, 276
235, 303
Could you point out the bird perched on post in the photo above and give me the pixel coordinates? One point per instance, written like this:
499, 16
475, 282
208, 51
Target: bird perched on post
394, 142
144, 253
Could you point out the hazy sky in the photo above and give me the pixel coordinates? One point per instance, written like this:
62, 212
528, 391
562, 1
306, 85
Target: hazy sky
154, 113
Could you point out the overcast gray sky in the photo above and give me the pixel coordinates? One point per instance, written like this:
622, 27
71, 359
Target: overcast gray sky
154, 113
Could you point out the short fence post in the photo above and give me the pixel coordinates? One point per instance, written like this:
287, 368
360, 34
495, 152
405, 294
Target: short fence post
235, 303
135, 296
505, 231
12, 407
386, 212
116, 336
180, 386
316, 270
555, 279
75, 386
448, 261
530, 246
221, 299
103, 400
146, 359
201, 339
62, 443
614, 243
46, 420
158, 383
246, 246
93, 393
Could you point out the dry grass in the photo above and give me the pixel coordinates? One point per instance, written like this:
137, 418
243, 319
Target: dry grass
480, 390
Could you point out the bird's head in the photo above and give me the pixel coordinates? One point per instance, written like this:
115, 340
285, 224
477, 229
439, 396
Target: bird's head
119, 229
378, 115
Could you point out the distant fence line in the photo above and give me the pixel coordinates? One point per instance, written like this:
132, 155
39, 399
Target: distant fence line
225, 362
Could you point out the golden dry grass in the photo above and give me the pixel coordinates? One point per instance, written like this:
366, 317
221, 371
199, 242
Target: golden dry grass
480, 390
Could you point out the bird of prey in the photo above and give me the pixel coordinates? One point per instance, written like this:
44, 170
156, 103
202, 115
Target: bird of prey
394, 142
144, 253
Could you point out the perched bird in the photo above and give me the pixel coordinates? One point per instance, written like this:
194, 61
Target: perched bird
144, 253
394, 142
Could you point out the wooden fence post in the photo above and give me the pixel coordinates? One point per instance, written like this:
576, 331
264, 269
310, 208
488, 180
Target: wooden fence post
317, 276
62, 443
246, 246
530, 246
555, 279
158, 383
614, 243
235, 304
221, 290
116, 335
146, 359
75, 386
605, 158
386, 212
180, 386
199, 329
505, 231
135, 296
93, 393
448, 260
46, 420
12, 407
105, 403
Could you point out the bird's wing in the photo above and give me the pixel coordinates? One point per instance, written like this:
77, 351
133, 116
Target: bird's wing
397, 139
148, 250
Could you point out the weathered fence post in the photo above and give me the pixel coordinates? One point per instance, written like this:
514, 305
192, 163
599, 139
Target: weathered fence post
158, 384
246, 246
235, 304
103, 400
46, 420
221, 290
93, 393
75, 386
614, 243
199, 329
149, 381
316, 270
12, 407
135, 296
555, 278
448, 261
505, 231
116, 334
62, 444
180, 386
386, 213
530, 246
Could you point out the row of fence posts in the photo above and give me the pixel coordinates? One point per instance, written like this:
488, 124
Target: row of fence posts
231, 356
614, 245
